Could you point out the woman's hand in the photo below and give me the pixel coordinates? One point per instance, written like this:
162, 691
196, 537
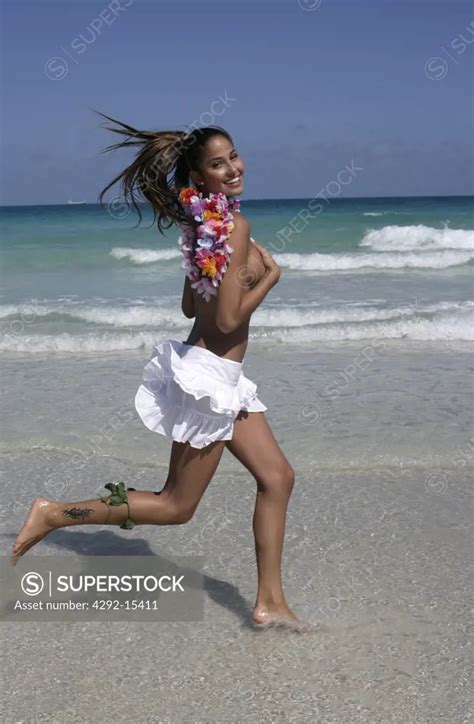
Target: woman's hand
271, 267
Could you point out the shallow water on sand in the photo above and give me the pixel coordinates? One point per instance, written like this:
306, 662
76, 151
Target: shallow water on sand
342, 405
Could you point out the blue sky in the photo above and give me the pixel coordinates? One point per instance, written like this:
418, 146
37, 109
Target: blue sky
311, 86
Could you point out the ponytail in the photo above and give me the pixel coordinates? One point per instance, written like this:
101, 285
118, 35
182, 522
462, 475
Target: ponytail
160, 169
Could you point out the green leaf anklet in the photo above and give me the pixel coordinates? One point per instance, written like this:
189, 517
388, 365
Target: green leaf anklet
119, 496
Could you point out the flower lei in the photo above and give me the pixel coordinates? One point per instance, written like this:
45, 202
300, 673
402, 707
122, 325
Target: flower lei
206, 265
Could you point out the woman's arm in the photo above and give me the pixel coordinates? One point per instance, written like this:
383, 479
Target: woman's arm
187, 302
257, 294
233, 307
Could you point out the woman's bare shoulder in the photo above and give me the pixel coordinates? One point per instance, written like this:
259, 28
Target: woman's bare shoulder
241, 222
239, 238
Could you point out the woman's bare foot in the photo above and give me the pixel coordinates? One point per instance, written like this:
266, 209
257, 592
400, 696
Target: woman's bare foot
35, 528
275, 615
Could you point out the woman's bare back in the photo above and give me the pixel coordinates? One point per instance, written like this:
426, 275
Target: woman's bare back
206, 333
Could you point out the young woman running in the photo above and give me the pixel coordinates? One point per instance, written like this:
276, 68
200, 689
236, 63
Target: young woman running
194, 391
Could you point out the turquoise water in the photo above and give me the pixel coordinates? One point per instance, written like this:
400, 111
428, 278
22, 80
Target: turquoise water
77, 278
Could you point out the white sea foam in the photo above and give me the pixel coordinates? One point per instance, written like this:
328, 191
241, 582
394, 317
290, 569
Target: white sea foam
373, 213
144, 256
448, 328
442, 327
171, 317
430, 249
420, 237
301, 317
65, 342
130, 316
438, 321
375, 260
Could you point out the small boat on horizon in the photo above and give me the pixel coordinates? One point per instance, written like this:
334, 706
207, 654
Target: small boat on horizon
75, 203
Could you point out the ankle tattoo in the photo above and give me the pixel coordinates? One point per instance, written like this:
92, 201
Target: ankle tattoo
77, 513
119, 496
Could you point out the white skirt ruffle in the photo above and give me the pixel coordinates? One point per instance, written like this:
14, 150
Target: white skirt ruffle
190, 394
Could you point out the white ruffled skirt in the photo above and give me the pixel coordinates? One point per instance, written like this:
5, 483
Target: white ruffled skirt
190, 394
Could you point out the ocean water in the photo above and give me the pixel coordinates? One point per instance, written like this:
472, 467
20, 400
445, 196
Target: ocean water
77, 279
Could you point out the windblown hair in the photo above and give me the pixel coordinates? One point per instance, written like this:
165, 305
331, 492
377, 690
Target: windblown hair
160, 169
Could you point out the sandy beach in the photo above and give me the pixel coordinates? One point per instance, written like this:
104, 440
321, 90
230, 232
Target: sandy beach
376, 554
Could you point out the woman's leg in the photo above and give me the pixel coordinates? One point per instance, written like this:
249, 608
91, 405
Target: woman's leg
254, 445
190, 472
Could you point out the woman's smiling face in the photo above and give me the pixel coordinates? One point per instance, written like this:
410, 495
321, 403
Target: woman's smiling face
221, 169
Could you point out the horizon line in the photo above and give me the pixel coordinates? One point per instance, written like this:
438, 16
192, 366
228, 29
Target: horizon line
282, 198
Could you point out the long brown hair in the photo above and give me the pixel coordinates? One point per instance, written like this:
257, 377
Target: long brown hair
160, 169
